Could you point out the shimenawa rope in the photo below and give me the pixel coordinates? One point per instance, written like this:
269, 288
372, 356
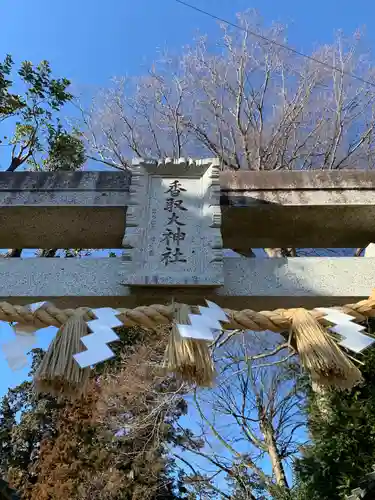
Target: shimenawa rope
189, 358
279, 320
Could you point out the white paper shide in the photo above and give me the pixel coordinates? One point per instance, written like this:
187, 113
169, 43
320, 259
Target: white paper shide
351, 333
204, 324
25, 339
102, 334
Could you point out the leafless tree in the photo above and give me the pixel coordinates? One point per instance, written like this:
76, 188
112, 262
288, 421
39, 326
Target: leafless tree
248, 101
251, 418
253, 104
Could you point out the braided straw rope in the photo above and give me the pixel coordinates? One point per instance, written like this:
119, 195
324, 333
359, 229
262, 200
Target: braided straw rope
151, 317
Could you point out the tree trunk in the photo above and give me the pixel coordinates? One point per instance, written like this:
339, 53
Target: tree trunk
15, 163
280, 252
322, 401
276, 462
245, 253
271, 252
14, 252
49, 252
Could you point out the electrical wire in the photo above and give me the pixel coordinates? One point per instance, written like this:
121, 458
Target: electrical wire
268, 40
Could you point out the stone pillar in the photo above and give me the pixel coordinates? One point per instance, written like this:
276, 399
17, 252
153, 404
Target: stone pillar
370, 250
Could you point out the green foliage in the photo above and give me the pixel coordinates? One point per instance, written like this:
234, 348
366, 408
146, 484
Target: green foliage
38, 138
343, 440
24, 421
248, 487
53, 450
65, 151
9, 103
42, 86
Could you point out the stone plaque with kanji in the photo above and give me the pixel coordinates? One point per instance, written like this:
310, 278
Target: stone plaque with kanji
173, 224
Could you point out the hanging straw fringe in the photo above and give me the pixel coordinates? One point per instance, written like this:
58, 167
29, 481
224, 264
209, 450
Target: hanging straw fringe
188, 358
59, 374
320, 355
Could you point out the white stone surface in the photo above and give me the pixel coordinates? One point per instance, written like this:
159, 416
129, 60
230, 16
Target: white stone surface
253, 283
176, 218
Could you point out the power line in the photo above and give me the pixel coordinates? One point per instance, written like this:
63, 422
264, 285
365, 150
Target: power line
268, 40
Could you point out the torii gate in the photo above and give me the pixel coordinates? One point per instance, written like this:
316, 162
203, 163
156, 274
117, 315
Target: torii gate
173, 219
246, 210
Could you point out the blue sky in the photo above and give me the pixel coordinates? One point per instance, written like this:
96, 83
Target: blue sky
91, 41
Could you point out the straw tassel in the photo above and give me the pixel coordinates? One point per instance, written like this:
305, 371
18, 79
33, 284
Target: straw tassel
190, 359
320, 355
59, 374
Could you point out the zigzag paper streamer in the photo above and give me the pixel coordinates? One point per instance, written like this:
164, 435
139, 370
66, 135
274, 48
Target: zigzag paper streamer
351, 333
37, 305
102, 334
15, 351
204, 324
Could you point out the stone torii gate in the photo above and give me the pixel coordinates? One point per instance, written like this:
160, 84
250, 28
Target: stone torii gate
173, 219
